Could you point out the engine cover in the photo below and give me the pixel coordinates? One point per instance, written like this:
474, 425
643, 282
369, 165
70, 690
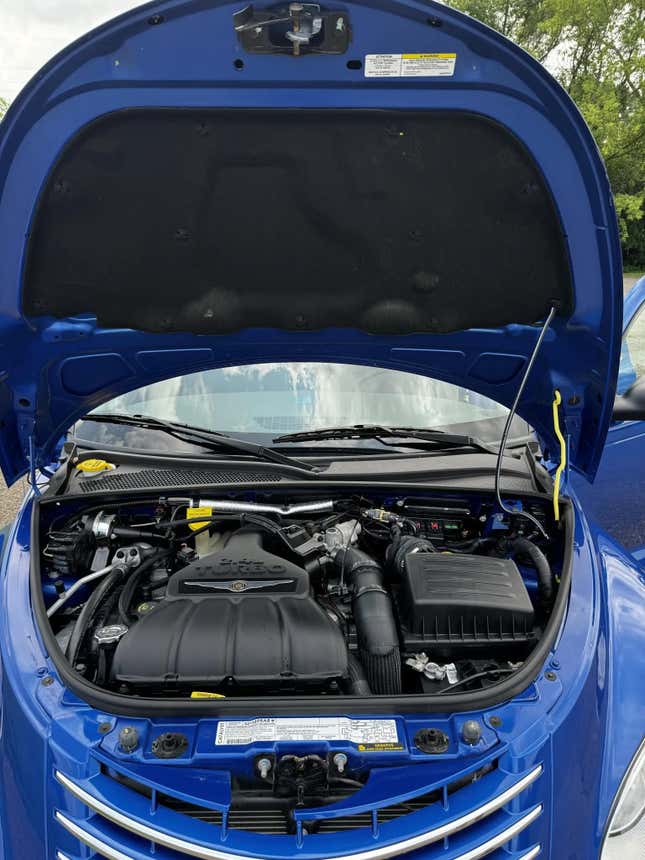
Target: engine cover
241, 614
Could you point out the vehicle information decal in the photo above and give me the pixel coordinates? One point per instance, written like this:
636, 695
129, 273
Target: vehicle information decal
410, 65
361, 732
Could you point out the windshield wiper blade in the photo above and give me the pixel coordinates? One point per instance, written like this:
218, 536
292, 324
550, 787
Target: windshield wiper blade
210, 439
438, 438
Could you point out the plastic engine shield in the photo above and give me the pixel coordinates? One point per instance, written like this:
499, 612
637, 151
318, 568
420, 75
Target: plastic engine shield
241, 614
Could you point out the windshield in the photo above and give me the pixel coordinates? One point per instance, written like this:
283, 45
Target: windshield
262, 401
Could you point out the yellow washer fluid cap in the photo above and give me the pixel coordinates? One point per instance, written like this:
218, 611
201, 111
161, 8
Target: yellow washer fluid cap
200, 515
92, 466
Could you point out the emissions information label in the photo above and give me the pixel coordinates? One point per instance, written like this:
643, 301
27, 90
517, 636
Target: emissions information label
372, 733
410, 65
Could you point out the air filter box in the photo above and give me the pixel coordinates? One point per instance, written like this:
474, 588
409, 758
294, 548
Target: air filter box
448, 598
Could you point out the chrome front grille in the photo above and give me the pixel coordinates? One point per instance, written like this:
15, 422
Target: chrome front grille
119, 824
108, 850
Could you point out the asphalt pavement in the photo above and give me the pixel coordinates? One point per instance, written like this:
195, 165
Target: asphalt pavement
10, 497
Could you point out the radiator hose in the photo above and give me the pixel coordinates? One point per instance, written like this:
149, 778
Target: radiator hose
92, 606
378, 639
523, 546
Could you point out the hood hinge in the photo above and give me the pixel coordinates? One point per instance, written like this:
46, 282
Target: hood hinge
32, 460
34, 464
25, 405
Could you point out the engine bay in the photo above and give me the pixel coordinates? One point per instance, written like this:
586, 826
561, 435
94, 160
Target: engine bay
266, 594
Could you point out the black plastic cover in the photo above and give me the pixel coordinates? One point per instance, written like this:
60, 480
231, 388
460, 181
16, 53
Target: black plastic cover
448, 597
242, 614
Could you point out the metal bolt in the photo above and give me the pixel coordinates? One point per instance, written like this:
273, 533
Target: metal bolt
142, 608
496, 722
340, 760
550, 676
555, 664
264, 767
104, 728
47, 681
471, 732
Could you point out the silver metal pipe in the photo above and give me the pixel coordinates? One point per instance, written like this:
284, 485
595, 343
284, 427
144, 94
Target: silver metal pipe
126, 557
97, 574
229, 506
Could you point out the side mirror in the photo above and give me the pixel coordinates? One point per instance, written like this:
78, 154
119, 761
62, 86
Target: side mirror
630, 406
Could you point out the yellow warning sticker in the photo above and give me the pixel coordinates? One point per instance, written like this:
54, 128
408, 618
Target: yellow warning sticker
198, 514
200, 694
410, 65
380, 747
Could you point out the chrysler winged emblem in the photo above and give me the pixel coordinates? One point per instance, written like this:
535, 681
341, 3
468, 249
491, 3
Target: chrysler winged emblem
237, 585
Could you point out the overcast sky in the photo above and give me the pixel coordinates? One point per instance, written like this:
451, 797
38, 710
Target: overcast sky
32, 31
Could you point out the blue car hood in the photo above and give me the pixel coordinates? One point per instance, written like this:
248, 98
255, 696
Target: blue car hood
182, 189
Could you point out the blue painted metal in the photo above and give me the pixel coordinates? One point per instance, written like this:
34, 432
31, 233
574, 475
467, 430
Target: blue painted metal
633, 302
582, 723
45, 728
616, 501
188, 61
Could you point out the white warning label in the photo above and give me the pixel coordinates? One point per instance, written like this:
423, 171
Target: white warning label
239, 732
410, 65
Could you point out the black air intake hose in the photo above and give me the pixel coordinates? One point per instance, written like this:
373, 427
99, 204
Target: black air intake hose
523, 546
401, 546
378, 638
358, 685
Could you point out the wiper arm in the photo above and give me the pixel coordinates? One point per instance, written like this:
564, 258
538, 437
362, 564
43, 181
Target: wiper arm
210, 439
438, 438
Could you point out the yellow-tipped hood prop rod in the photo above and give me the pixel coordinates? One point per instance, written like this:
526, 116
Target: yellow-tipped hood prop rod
557, 400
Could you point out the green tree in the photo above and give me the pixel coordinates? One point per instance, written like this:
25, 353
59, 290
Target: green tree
596, 49
4, 104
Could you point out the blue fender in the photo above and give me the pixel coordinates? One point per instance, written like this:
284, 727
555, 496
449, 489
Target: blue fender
633, 301
620, 656
5, 535
5, 532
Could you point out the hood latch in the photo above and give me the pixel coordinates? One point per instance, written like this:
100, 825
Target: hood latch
296, 29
